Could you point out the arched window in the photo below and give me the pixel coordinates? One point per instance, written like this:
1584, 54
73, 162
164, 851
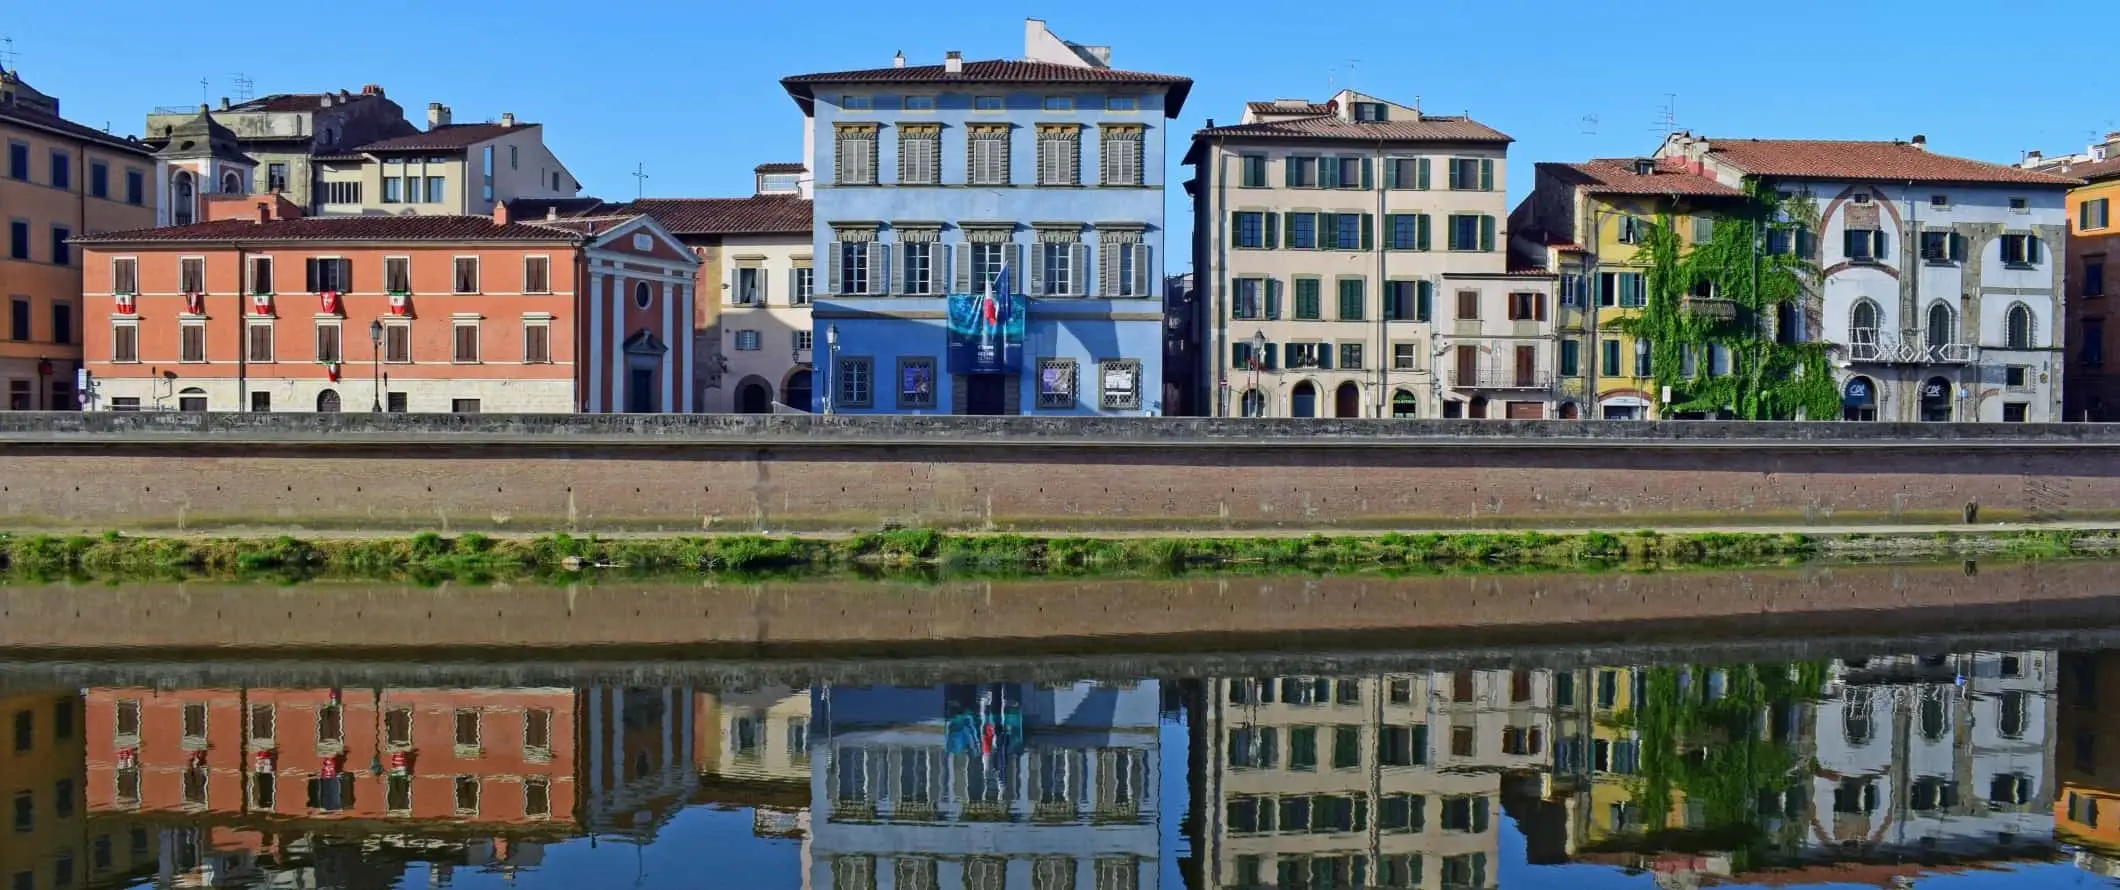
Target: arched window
1403, 405
642, 296
1857, 723
231, 183
180, 193
1863, 322
1254, 403
191, 398
1940, 326
1303, 400
328, 402
2017, 330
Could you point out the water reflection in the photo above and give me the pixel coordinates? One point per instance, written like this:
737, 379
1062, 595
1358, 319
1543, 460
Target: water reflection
1882, 770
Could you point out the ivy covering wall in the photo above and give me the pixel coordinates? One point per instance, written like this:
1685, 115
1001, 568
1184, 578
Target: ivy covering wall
1769, 377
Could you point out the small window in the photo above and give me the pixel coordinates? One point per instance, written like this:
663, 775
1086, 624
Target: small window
397, 727
467, 788
1861, 198
124, 275
1940, 202
463, 406
1373, 112
920, 103
125, 342
261, 342
537, 343
857, 103
856, 383
988, 103
2019, 205
1121, 103
747, 340
643, 295
397, 403
537, 798
331, 725
2020, 250
1059, 103
467, 728
261, 275
397, 275
328, 350
191, 345
467, 274
397, 343
916, 383
465, 336
1254, 167
1119, 384
537, 730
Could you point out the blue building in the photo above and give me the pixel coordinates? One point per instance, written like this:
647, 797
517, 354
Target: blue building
986, 786
989, 234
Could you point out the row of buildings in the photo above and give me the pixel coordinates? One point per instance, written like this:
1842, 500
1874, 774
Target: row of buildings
1865, 770
991, 240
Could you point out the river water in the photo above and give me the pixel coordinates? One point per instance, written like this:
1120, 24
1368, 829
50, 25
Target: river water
1913, 747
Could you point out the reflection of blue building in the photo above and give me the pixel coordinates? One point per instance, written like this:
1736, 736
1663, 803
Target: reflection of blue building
988, 786
931, 179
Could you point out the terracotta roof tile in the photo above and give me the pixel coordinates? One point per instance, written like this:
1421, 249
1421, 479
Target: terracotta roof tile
527, 209
757, 215
779, 167
341, 228
991, 71
1867, 161
2088, 171
1617, 176
286, 102
587, 225
453, 137
1293, 107
1429, 128
52, 123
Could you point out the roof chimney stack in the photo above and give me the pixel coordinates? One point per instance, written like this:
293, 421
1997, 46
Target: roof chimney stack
224, 103
264, 212
1921, 142
507, 119
898, 61
953, 62
371, 90
437, 115
500, 213
551, 211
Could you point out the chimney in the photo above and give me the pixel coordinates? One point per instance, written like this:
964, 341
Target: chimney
898, 61
953, 62
325, 100
437, 115
224, 103
507, 119
551, 211
264, 212
344, 96
371, 89
1921, 142
500, 213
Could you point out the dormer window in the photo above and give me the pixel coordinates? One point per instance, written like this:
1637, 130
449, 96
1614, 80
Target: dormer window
1376, 112
1644, 166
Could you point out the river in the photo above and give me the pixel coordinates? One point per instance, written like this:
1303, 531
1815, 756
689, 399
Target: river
1798, 727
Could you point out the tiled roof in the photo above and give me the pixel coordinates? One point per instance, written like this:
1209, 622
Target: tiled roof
51, 123
341, 228
1290, 107
1429, 128
991, 71
1616, 176
2089, 171
587, 225
779, 167
285, 102
453, 137
757, 215
539, 208
1867, 161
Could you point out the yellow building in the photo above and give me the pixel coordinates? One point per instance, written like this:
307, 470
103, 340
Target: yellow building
42, 764
60, 180
1589, 222
2087, 757
2088, 392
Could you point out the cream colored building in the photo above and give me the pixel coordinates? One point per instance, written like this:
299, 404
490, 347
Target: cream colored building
449, 169
1390, 781
1333, 241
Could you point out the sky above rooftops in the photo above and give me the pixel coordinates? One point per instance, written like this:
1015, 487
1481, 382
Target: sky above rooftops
705, 105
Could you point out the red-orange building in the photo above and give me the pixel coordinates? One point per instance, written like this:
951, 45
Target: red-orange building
260, 309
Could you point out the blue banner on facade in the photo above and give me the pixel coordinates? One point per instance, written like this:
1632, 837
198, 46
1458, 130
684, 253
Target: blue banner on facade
986, 333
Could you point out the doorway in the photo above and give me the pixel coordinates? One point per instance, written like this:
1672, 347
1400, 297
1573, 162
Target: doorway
640, 390
1477, 408
1303, 401
1859, 400
1936, 400
1403, 405
753, 398
1253, 404
1347, 400
986, 394
796, 393
328, 402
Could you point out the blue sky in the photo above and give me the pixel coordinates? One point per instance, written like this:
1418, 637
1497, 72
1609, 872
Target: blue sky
690, 89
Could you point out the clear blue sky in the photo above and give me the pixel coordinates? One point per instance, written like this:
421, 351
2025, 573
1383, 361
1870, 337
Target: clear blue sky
691, 88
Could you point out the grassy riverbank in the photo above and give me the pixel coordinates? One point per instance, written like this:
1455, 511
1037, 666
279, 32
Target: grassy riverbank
480, 557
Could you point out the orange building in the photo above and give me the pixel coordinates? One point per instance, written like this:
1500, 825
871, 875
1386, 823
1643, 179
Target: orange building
59, 180
260, 309
2087, 758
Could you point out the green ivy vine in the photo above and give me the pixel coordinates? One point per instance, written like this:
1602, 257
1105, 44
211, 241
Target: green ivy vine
1769, 379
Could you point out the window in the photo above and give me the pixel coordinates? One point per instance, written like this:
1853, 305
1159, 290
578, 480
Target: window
261, 275
1353, 173
1121, 159
1058, 161
25, 730
341, 192
1119, 384
438, 188
1059, 103
1251, 229
2020, 250
1571, 358
1372, 112
537, 342
124, 275
467, 788
2017, 328
1350, 356
747, 286
1471, 232
62, 252
2094, 277
397, 343
1465, 814
1527, 307
2094, 214
464, 335
1254, 167
18, 161
1406, 301
987, 103
855, 155
856, 382
62, 169
18, 319
1125, 269
916, 383
260, 341
1941, 247
1608, 358
1352, 299
916, 263
98, 179
1351, 231
1405, 357
1472, 174
463, 406
1060, 269
1641, 358
191, 275
25, 812
466, 278
920, 155
2019, 205
852, 267
191, 337
1303, 230
989, 156
135, 187
2014, 412
276, 177
747, 340
393, 190
328, 343
1307, 299
1300, 172
1468, 304
1622, 289
802, 286
487, 173
1863, 245
1409, 231
18, 239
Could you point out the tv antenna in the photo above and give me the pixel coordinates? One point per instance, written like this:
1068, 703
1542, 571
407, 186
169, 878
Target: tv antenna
1667, 115
640, 180
7, 54
1354, 68
244, 86
1589, 124
205, 90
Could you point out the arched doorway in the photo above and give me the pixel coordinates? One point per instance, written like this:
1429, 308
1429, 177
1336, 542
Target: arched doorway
191, 398
1303, 400
1347, 400
328, 402
796, 392
1403, 405
1477, 408
180, 203
753, 396
1936, 400
1859, 400
1570, 412
1253, 403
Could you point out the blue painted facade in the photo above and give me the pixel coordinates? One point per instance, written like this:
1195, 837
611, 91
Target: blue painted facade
882, 333
1077, 790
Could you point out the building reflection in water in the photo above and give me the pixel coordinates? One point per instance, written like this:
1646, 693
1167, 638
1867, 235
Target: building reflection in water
1861, 770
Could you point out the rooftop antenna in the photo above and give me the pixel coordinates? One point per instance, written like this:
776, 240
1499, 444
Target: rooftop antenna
1354, 69
640, 180
1667, 116
243, 86
7, 55
205, 91
1589, 122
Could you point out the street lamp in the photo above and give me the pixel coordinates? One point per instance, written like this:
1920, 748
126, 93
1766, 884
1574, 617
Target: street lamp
375, 362
1258, 363
831, 368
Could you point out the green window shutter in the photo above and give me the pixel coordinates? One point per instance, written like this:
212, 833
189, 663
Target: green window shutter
1486, 174
1288, 171
2031, 249
1324, 355
1391, 181
1454, 183
1847, 241
1424, 301
1450, 232
1368, 232
1957, 247
1487, 233
1272, 358
1273, 230
1273, 299
1421, 171
1368, 175
1239, 355
1329, 172
1328, 231
1420, 235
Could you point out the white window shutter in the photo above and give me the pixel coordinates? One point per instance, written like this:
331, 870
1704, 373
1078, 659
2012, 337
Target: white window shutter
1142, 278
962, 283
791, 285
938, 267
1078, 282
831, 267
1037, 270
879, 268
1015, 263
1108, 269
904, 284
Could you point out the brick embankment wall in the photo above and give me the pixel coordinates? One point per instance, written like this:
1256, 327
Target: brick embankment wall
691, 473
1062, 616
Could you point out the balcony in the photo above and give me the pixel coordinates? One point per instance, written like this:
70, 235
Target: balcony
1492, 379
1886, 348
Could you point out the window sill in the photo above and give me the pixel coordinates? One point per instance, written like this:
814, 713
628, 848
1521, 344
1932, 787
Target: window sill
1946, 264
2021, 267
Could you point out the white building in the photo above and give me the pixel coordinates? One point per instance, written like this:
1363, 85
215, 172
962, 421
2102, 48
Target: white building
1942, 276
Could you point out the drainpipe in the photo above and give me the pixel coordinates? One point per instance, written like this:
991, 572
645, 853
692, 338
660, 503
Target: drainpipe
1592, 300
1383, 351
1218, 285
242, 328
1913, 269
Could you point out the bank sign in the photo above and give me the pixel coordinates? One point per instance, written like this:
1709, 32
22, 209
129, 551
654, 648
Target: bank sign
986, 333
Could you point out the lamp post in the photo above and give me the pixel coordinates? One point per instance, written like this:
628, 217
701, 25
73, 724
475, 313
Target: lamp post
831, 367
375, 362
1258, 363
